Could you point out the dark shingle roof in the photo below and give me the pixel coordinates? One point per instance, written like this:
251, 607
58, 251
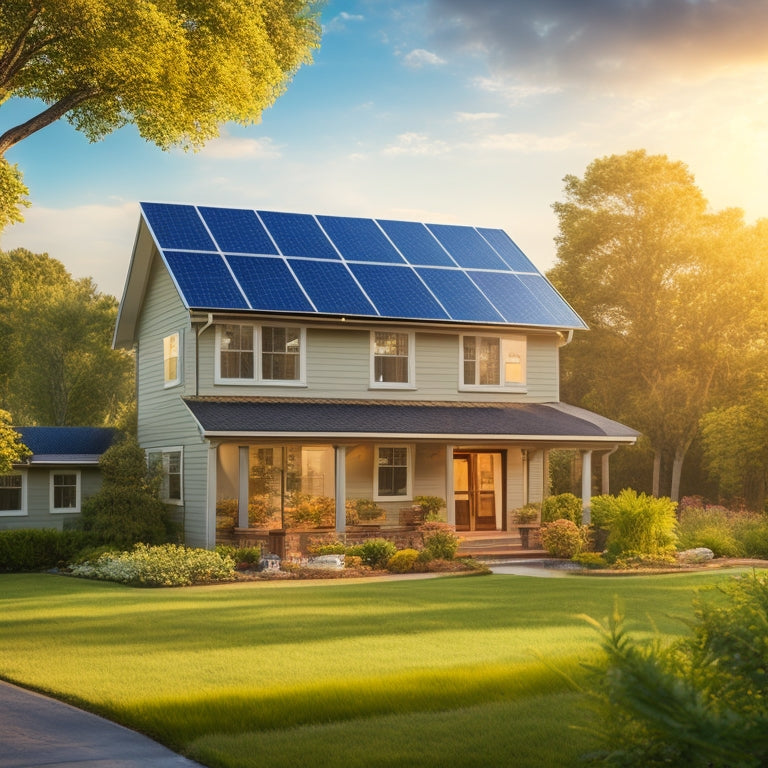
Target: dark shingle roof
70, 445
275, 416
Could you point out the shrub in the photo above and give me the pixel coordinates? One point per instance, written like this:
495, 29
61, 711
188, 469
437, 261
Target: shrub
564, 506
363, 509
751, 531
699, 702
707, 526
31, 549
240, 555
603, 510
402, 561
562, 538
641, 525
329, 548
306, 509
439, 540
590, 560
527, 514
375, 553
430, 506
166, 565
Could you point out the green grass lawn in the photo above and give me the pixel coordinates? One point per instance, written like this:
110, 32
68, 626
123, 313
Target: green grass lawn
451, 671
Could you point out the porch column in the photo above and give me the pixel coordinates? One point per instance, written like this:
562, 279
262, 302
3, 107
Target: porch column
450, 505
340, 486
242, 486
605, 483
524, 462
211, 472
586, 486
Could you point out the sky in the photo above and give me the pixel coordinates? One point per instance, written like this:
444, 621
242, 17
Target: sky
461, 111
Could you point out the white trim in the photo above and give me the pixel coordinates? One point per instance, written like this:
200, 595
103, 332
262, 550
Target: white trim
78, 492
517, 387
23, 512
409, 458
411, 383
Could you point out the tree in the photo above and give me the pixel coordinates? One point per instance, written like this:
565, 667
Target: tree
12, 450
58, 366
176, 69
668, 291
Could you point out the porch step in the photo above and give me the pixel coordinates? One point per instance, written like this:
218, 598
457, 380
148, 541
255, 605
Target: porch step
494, 545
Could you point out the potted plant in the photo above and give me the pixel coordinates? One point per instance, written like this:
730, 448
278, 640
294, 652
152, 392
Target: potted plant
526, 517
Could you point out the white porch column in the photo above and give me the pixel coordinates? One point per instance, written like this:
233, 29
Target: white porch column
211, 471
450, 505
340, 486
524, 462
586, 486
242, 486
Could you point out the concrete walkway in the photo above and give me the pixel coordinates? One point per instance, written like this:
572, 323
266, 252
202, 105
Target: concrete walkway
36, 731
546, 569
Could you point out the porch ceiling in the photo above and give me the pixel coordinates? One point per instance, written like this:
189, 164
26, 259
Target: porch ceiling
303, 417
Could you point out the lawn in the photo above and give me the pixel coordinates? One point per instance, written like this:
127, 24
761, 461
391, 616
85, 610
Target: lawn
453, 671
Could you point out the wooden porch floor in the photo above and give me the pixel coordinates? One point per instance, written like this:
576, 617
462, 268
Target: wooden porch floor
484, 544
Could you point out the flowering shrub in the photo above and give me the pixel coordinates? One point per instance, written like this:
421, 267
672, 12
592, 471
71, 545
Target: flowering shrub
440, 540
563, 538
166, 565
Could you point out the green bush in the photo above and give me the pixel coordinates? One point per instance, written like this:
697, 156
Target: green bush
166, 565
439, 540
590, 560
330, 548
430, 506
374, 553
306, 509
641, 525
751, 531
603, 510
402, 561
240, 555
564, 506
700, 702
31, 549
707, 526
562, 538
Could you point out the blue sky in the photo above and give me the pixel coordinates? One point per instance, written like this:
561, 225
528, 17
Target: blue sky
464, 111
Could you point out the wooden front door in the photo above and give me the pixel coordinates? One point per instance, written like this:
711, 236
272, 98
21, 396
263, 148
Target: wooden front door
476, 491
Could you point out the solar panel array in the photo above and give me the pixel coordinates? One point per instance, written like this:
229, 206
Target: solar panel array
237, 259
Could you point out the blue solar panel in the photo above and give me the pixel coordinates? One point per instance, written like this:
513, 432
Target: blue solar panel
237, 231
359, 239
177, 227
204, 280
506, 248
398, 292
298, 234
459, 295
552, 300
467, 247
332, 289
512, 298
269, 284
417, 244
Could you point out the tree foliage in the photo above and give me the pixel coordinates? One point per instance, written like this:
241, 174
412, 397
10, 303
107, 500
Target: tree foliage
58, 366
176, 69
673, 294
12, 450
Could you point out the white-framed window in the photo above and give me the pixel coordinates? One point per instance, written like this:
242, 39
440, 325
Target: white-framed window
393, 473
171, 463
392, 359
260, 354
13, 494
493, 362
172, 359
64, 487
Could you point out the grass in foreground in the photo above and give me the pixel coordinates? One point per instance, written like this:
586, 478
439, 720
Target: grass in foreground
458, 671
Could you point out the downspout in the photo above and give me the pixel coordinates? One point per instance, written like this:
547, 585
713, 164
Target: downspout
200, 332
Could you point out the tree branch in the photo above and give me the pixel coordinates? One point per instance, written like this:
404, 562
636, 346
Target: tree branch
12, 60
46, 117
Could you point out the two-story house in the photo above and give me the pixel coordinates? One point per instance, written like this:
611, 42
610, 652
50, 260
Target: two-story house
290, 365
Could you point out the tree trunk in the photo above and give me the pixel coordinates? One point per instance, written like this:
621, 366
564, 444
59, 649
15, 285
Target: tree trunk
677, 471
656, 472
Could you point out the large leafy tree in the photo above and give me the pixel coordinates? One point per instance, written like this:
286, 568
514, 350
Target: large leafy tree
58, 367
668, 290
176, 69
12, 450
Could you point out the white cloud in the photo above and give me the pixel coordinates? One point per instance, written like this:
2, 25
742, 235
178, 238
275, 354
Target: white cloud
526, 142
419, 58
476, 117
227, 147
417, 144
512, 92
339, 23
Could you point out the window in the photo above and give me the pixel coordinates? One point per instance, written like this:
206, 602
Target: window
493, 362
13, 494
280, 353
169, 460
392, 479
392, 359
171, 361
65, 491
236, 349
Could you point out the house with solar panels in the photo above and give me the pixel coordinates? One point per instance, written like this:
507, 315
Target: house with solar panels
304, 371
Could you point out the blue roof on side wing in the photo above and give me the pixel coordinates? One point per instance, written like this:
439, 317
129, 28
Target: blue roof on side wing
267, 261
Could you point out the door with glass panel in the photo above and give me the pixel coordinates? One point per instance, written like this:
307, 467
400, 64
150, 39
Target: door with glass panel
477, 491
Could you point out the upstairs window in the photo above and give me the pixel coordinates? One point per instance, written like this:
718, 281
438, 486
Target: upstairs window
493, 362
392, 359
251, 354
281, 354
65, 491
171, 360
236, 351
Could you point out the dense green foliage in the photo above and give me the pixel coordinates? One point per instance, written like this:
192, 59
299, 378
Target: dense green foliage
40, 548
175, 70
12, 449
58, 366
563, 538
127, 510
563, 506
375, 553
403, 560
700, 702
440, 541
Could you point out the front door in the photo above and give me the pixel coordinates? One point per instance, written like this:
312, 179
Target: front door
477, 483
